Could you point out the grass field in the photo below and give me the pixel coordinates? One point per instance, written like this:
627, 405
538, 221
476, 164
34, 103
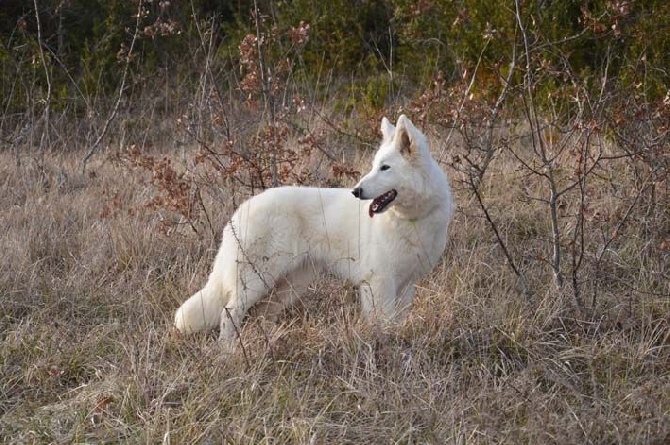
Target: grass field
90, 277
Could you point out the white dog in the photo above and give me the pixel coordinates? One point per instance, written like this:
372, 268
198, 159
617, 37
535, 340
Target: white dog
283, 238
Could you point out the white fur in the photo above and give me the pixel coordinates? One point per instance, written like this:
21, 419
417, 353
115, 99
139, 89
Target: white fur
283, 238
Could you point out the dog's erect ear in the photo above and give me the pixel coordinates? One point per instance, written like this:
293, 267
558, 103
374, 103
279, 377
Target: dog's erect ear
406, 148
404, 136
388, 130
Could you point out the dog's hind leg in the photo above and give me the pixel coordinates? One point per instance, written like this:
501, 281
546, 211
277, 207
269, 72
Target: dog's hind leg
254, 283
202, 311
249, 292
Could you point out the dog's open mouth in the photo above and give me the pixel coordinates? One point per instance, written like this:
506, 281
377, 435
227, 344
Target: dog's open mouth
381, 202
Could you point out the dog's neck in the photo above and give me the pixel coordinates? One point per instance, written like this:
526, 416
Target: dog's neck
413, 212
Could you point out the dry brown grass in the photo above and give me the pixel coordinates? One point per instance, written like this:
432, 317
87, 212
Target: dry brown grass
90, 279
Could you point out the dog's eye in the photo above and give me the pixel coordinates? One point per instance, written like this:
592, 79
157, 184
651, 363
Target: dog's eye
384, 167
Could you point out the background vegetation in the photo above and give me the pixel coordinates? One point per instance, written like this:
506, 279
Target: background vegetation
130, 130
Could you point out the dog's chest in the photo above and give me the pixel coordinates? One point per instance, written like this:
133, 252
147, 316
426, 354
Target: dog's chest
415, 247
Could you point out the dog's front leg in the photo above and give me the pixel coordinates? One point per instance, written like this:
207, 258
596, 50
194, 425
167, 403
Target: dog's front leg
378, 297
405, 298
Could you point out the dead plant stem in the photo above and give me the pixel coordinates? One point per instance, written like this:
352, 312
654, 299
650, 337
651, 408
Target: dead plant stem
44, 138
122, 88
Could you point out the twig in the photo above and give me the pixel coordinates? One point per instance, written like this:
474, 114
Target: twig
47, 106
268, 99
541, 151
239, 338
614, 234
122, 87
494, 115
204, 210
501, 243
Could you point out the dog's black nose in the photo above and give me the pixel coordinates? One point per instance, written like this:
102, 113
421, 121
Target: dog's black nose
357, 192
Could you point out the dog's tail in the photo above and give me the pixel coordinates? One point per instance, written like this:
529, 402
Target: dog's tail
201, 312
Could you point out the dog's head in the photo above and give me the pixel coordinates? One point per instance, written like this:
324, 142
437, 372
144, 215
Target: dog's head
399, 169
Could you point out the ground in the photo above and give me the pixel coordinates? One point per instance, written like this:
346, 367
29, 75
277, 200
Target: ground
90, 277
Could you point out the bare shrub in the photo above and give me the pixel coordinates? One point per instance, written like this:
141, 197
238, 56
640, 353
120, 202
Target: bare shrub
569, 165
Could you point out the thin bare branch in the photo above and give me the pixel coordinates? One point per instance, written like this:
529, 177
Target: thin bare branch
44, 139
510, 260
122, 87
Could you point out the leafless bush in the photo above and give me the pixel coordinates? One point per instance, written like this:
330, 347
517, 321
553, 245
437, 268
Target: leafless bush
261, 133
562, 162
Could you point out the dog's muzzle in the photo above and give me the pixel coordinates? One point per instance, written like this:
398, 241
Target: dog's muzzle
378, 204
